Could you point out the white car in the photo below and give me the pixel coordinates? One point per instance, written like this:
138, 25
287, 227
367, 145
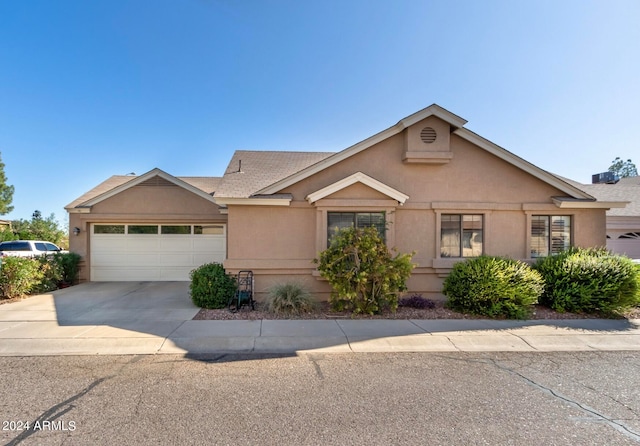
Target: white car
28, 248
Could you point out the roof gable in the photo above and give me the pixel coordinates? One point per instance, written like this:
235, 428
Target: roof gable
456, 124
118, 184
357, 177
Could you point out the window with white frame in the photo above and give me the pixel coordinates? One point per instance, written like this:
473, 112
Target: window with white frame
340, 220
461, 235
550, 234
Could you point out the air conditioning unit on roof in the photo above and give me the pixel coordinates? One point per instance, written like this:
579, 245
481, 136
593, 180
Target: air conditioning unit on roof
604, 178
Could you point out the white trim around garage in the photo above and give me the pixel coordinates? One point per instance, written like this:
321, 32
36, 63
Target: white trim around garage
133, 252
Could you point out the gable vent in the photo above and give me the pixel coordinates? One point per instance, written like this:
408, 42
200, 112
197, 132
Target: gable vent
428, 135
156, 181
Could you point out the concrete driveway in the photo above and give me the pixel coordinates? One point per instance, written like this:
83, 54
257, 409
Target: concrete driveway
96, 317
105, 303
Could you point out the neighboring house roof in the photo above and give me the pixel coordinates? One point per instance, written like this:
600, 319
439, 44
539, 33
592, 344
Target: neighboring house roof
627, 189
204, 186
249, 171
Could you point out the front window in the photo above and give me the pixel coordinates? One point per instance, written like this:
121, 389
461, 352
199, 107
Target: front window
340, 220
550, 234
461, 235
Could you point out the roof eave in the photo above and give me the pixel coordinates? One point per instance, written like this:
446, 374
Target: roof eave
253, 201
569, 203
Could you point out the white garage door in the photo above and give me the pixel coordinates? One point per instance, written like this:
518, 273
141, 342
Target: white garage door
143, 252
627, 244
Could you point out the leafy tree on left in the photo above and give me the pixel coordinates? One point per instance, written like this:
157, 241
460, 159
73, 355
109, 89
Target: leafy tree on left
39, 228
6, 192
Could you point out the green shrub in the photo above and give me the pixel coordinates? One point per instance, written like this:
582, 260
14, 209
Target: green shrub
211, 287
290, 298
69, 263
19, 276
364, 276
589, 280
494, 287
51, 274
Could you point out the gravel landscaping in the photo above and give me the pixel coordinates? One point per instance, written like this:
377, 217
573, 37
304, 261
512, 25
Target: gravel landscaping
439, 312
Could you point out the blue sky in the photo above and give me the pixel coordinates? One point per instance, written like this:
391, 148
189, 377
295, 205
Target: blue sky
89, 89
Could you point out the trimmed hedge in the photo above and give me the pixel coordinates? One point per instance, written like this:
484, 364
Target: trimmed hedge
494, 287
589, 280
211, 287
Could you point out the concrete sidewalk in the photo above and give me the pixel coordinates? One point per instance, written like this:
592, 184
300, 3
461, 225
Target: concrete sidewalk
156, 318
34, 338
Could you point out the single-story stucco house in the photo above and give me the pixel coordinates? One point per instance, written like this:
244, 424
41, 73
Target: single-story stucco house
438, 188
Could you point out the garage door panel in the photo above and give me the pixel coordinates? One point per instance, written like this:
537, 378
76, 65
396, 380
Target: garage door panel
202, 259
142, 257
177, 260
104, 259
209, 244
180, 243
628, 247
108, 243
124, 274
145, 243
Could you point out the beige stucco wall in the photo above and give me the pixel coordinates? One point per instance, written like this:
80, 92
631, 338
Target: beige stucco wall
279, 243
140, 204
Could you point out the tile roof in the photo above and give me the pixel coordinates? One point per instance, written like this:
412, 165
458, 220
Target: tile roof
250, 171
205, 184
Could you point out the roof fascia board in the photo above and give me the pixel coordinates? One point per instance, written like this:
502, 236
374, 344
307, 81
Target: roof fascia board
79, 210
516, 161
357, 177
225, 201
142, 178
588, 204
432, 110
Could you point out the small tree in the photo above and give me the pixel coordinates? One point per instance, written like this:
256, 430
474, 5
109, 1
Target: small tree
6, 192
622, 168
364, 276
39, 228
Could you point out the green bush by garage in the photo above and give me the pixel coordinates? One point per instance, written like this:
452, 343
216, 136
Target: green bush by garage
211, 286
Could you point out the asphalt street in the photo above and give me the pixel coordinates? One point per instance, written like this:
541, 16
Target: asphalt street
523, 398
